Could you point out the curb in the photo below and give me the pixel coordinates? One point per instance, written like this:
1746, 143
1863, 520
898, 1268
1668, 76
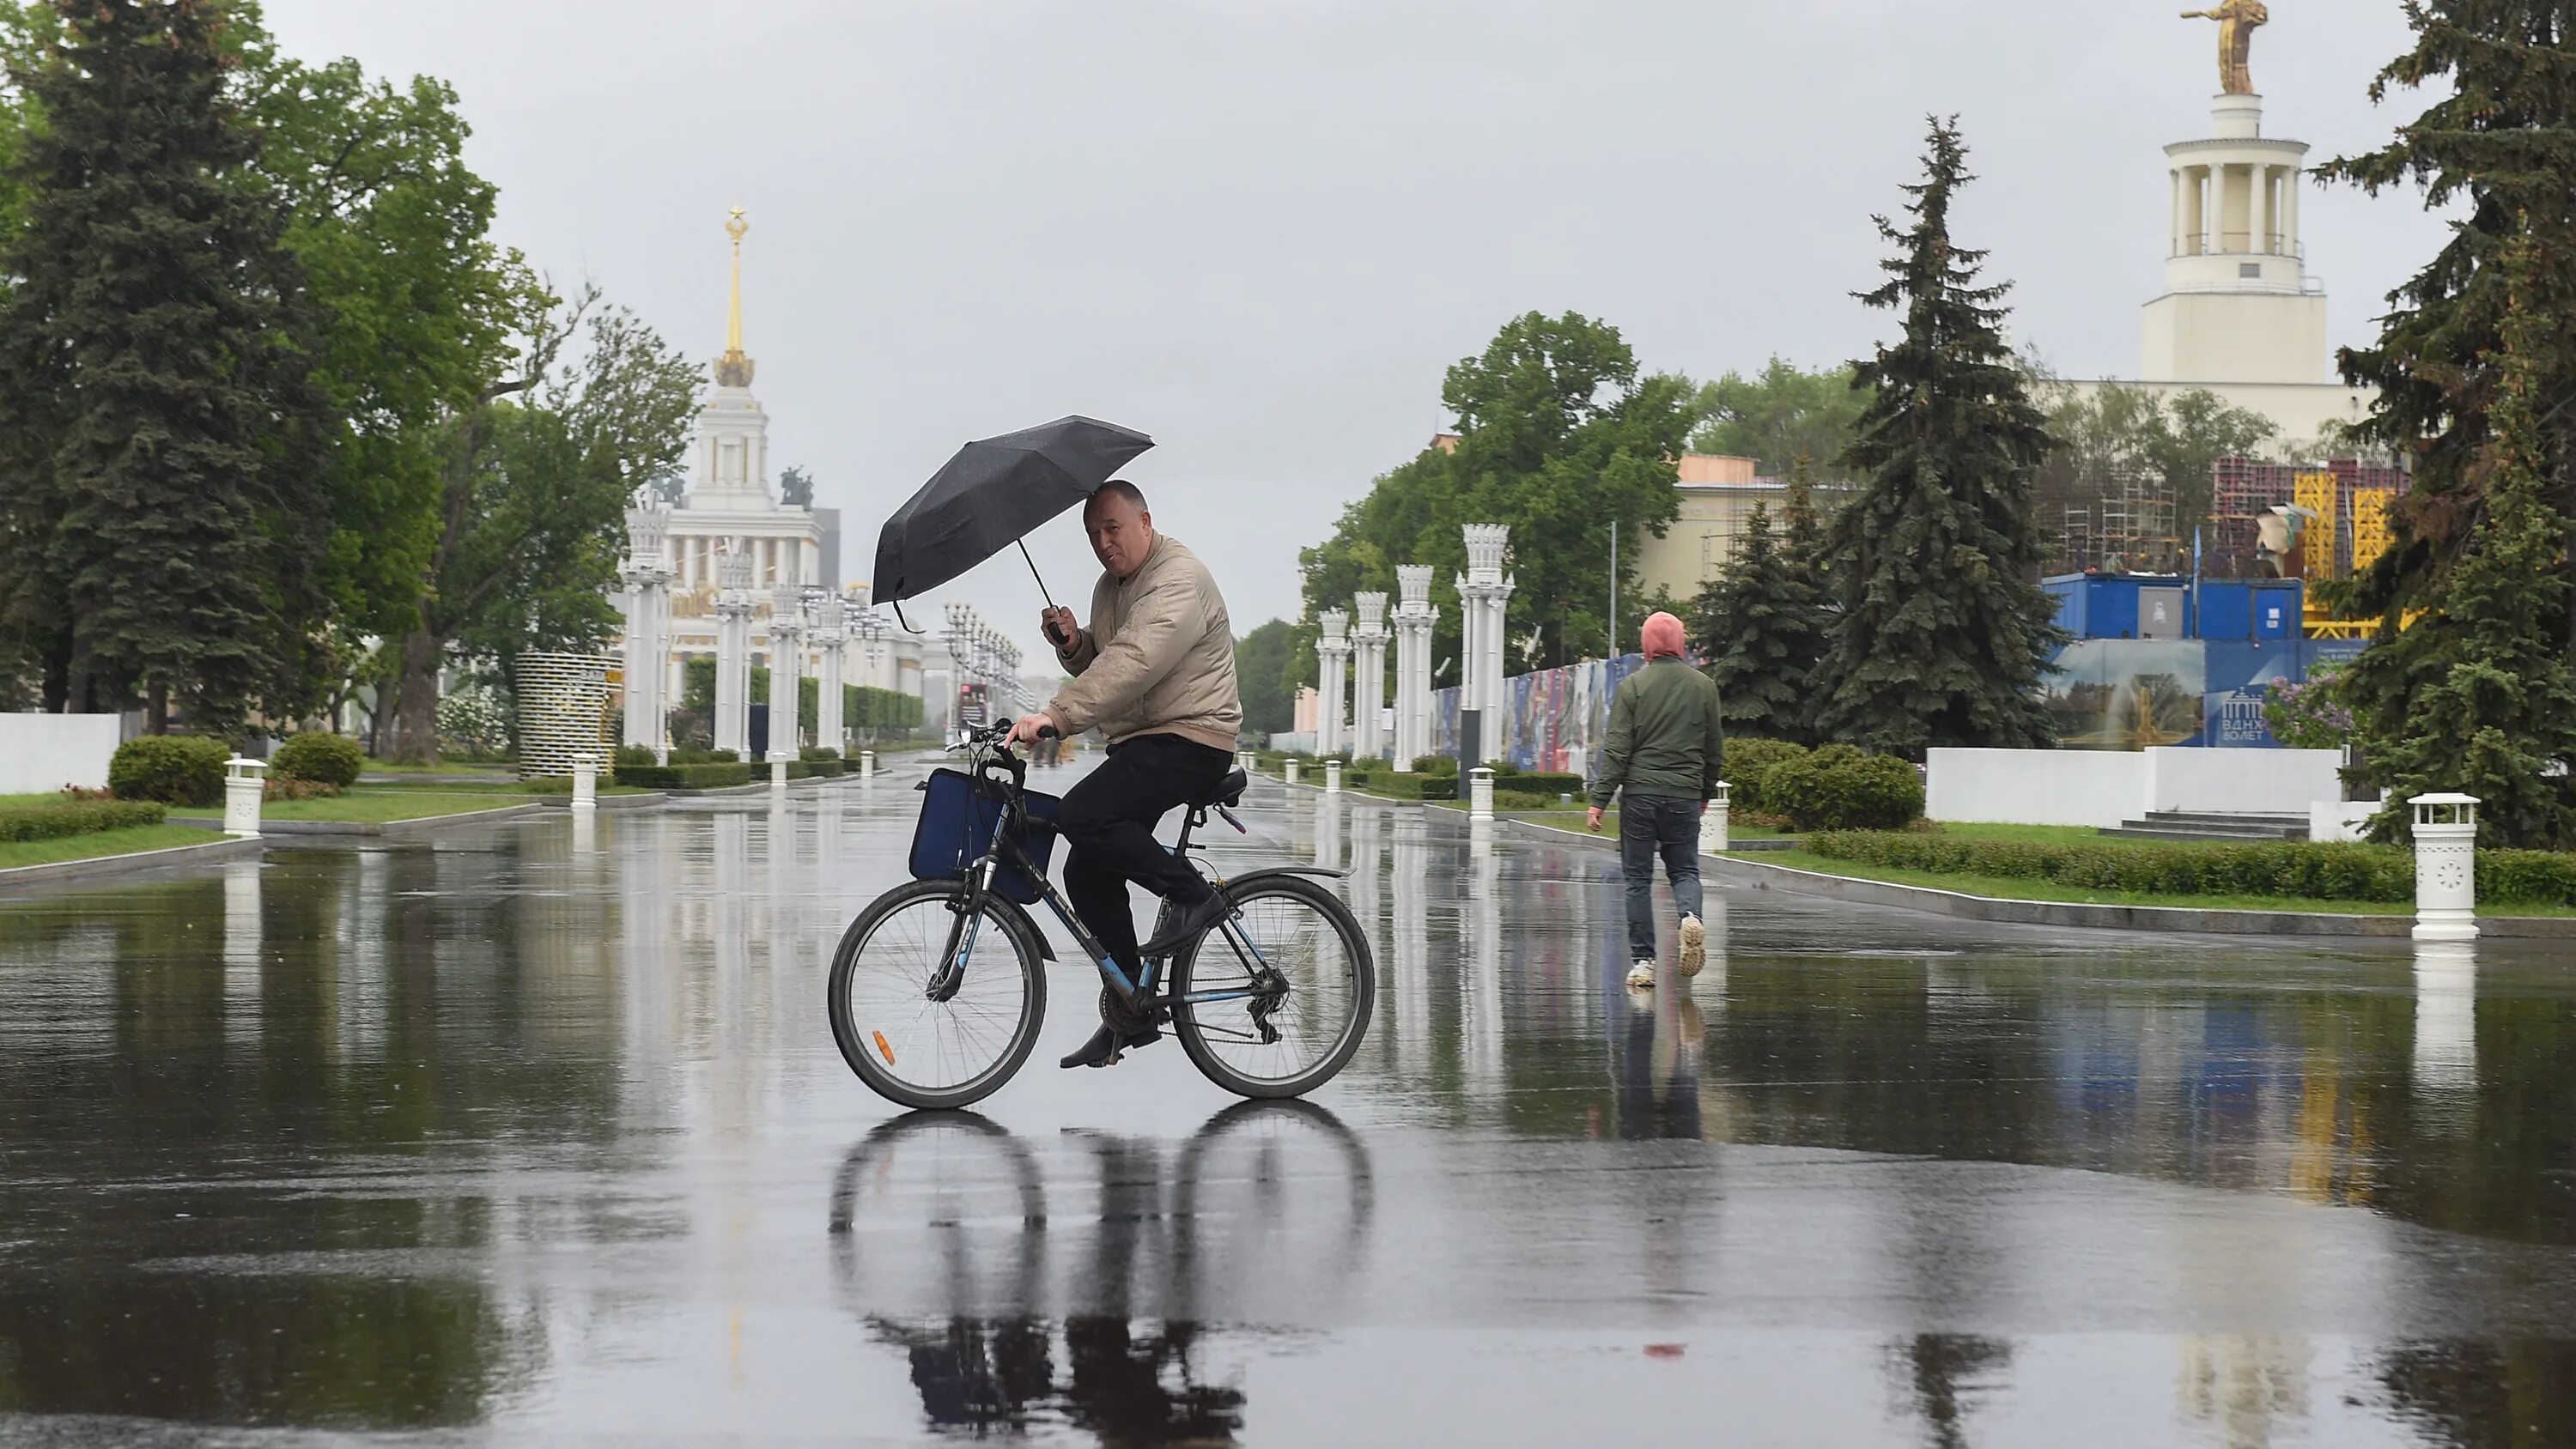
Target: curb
59, 872
610, 802
2168, 919
384, 829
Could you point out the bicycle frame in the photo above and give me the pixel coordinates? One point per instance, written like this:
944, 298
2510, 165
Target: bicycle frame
1005, 850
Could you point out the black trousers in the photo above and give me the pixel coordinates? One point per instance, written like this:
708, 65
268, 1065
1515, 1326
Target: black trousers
1108, 824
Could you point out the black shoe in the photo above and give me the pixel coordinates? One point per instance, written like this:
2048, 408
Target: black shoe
1107, 1046
1187, 926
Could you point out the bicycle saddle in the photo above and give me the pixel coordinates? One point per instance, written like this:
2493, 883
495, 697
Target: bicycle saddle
1228, 791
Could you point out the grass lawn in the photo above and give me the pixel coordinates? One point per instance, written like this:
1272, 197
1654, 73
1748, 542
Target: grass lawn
375, 805
2013, 888
104, 842
1574, 820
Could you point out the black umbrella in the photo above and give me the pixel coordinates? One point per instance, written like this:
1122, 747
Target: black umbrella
990, 496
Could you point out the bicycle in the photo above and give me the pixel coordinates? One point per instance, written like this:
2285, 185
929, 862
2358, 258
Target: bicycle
938, 988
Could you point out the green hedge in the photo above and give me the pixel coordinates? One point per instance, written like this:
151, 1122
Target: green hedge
1841, 787
812, 769
2311, 870
82, 817
325, 759
173, 769
714, 775
1747, 762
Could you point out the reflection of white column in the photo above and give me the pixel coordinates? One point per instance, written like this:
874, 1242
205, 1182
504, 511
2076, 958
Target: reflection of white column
241, 952
1328, 834
2446, 1030
733, 651
1332, 655
1414, 618
1368, 649
1406, 1007
1481, 995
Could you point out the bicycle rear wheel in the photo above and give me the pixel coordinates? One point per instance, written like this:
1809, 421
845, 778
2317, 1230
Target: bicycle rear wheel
916, 1033
1301, 955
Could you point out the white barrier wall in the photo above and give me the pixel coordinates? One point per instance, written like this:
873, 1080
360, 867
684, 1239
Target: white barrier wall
41, 752
2034, 787
2107, 787
2242, 782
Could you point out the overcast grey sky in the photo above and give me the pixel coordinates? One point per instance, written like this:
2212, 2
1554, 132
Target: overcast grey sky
1260, 230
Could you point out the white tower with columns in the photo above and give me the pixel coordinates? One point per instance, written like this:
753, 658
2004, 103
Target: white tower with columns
1368, 662
734, 608
829, 637
1484, 592
786, 666
1414, 618
1333, 657
2238, 305
647, 574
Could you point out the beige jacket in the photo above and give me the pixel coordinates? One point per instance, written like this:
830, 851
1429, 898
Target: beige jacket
1158, 658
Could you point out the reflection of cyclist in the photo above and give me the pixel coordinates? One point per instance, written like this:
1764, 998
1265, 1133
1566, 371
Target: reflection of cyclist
1155, 674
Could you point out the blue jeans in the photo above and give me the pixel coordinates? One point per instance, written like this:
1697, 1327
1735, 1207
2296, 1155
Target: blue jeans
1649, 824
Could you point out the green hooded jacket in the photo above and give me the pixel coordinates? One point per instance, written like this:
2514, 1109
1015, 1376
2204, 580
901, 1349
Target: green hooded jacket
1666, 736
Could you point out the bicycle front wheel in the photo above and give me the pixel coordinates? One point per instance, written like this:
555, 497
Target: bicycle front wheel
1306, 984
933, 1005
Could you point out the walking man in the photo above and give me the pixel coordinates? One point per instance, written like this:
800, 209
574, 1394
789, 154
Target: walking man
1154, 674
1667, 746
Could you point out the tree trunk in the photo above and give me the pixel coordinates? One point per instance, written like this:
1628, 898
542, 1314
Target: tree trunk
416, 699
156, 717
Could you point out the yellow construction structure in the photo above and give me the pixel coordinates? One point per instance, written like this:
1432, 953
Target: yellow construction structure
2370, 535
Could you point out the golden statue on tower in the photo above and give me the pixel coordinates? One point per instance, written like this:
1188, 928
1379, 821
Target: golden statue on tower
2236, 21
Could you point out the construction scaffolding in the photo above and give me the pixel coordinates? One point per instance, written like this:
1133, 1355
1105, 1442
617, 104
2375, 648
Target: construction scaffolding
2353, 503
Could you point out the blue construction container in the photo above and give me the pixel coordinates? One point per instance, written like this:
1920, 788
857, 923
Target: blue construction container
2139, 606
2266, 609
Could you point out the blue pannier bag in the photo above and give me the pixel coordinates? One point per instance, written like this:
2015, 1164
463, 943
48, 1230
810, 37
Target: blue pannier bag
958, 816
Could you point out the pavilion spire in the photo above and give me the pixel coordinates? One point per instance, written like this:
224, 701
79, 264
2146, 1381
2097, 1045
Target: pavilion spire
733, 369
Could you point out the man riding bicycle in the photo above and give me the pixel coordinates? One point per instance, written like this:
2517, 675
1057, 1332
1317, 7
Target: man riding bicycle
1155, 675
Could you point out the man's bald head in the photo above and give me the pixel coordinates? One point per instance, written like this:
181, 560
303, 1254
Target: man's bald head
1120, 526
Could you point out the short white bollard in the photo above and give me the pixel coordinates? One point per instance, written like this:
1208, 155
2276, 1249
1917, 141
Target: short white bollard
1713, 823
2446, 867
1332, 777
777, 769
242, 794
867, 764
1243, 761
585, 781
1290, 769
1480, 794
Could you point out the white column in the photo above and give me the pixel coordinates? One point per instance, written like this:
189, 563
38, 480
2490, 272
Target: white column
648, 620
1368, 710
830, 639
1486, 591
2290, 177
733, 650
1414, 618
786, 665
1332, 654
2262, 209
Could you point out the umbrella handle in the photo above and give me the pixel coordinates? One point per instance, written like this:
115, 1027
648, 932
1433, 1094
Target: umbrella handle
900, 619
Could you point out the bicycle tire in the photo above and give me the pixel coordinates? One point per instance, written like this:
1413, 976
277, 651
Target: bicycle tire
1187, 1023
862, 1048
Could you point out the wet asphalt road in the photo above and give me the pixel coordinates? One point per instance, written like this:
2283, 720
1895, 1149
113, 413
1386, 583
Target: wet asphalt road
537, 1134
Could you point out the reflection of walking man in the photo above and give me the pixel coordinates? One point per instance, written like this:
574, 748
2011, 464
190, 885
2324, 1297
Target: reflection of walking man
1667, 745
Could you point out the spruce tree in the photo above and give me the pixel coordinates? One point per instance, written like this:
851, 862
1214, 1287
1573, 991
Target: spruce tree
1944, 633
1766, 623
2475, 367
163, 433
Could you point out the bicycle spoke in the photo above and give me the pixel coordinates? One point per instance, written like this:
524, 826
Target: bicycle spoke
934, 1045
1272, 1035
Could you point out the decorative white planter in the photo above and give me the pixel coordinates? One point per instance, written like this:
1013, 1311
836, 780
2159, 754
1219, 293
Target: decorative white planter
867, 764
1713, 822
777, 769
2446, 867
1291, 768
1332, 777
585, 780
242, 792
1480, 794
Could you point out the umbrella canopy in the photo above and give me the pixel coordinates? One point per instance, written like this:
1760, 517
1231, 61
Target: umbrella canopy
993, 493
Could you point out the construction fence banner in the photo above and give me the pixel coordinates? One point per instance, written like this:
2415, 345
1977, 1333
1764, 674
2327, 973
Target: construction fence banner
2136, 694
1554, 721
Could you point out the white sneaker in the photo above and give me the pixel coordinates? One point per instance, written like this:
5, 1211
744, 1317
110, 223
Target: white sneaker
1694, 945
1642, 974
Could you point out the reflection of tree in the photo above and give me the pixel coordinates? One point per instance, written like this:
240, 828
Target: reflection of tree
1941, 1371
2487, 1395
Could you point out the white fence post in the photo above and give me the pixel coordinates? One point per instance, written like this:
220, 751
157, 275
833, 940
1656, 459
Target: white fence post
777, 770
585, 780
1332, 777
1480, 794
2446, 867
867, 764
1713, 822
1290, 768
242, 793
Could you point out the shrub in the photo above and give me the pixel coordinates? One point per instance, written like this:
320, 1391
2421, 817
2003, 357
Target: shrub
325, 759
288, 787
1839, 787
1549, 785
1436, 787
473, 721
2527, 877
818, 752
81, 817
2332, 872
1434, 765
173, 769
1747, 762
705, 775
703, 757
631, 755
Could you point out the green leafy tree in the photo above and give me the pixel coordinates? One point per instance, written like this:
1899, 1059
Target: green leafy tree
160, 431
1559, 436
1261, 670
1766, 623
1780, 415
2108, 435
537, 476
796, 488
1944, 633
2474, 368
